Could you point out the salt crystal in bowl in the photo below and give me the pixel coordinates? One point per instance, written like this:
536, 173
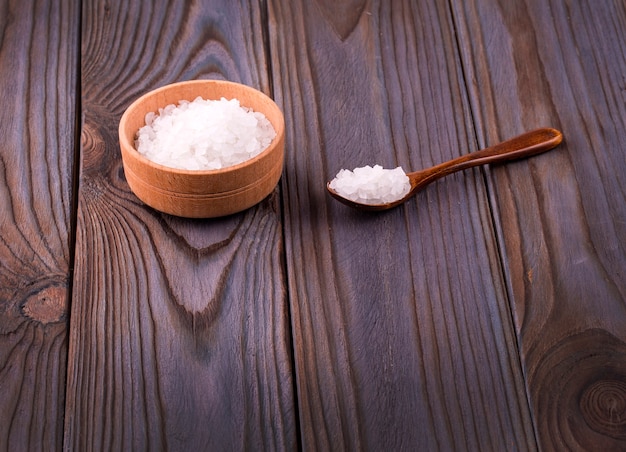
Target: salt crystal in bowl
201, 193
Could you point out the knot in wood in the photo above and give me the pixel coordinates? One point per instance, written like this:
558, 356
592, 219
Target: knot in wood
585, 376
48, 305
603, 404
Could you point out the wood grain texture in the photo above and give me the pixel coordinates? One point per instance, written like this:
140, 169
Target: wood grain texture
562, 216
179, 337
405, 325
38, 55
402, 334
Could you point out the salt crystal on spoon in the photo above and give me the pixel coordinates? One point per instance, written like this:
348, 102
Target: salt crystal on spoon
371, 185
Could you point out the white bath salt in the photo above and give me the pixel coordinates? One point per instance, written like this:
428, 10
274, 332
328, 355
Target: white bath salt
372, 185
204, 134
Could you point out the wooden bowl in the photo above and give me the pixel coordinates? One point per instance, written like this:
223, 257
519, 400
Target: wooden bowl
201, 193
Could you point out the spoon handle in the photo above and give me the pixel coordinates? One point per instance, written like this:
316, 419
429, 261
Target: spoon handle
525, 145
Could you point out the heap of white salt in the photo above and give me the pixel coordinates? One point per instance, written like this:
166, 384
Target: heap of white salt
204, 134
371, 185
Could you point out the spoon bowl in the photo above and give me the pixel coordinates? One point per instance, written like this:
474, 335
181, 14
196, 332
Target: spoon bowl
525, 145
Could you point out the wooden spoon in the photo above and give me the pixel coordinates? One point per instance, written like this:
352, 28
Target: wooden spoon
525, 145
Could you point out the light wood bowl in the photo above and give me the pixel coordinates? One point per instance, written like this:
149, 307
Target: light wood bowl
201, 193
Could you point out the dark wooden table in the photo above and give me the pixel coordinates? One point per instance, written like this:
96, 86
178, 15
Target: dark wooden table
489, 313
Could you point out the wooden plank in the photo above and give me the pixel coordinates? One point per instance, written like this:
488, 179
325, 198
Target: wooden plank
562, 215
38, 54
179, 337
402, 333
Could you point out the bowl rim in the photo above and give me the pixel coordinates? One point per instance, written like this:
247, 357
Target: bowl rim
126, 145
